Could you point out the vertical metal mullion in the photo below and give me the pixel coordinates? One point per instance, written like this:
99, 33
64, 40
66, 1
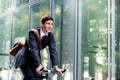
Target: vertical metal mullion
51, 13
113, 38
11, 42
79, 40
29, 20
52, 10
51, 1
109, 40
75, 42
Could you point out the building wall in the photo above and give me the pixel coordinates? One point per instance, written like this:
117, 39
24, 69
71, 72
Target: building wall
86, 34
15, 22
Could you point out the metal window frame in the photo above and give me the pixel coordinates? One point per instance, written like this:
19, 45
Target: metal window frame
111, 39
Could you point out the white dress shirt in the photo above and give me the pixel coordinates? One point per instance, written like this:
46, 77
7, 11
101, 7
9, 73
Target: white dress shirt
42, 33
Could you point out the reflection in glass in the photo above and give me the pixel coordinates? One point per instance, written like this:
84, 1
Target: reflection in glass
21, 2
37, 11
117, 38
36, 0
57, 24
5, 5
21, 24
94, 42
57, 29
5, 25
68, 38
20, 30
5, 36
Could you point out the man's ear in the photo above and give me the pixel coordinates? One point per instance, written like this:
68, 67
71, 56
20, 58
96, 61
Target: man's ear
41, 24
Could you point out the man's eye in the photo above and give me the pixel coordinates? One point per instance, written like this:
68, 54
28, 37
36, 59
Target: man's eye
48, 23
51, 23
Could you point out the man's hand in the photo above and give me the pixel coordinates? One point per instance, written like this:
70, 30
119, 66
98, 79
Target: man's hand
38, 69
58, 70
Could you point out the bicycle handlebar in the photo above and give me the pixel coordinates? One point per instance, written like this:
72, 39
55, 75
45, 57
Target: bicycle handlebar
50, 71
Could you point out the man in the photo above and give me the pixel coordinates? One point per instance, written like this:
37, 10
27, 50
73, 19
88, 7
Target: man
32, 69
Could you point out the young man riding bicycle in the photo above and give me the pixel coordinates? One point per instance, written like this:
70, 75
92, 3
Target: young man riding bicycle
32, 69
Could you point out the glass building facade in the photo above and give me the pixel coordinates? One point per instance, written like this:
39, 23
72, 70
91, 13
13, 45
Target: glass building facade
86, 32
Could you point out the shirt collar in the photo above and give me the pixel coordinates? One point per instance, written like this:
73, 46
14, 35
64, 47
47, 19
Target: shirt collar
42, 33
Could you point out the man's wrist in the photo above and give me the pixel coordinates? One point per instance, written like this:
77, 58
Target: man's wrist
55, 67
39, 65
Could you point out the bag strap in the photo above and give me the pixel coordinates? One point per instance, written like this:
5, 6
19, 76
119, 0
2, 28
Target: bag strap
39, 38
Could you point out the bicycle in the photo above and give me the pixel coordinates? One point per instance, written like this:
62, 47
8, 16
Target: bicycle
48, 73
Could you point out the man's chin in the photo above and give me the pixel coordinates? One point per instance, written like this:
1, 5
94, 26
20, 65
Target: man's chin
48, 31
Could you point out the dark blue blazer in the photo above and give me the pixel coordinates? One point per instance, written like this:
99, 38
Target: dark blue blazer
33, 53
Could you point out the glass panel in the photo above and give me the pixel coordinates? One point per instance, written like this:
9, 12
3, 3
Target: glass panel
5, 5
117, 38
20, 30
57, 28
21, 24
21, 2
94, 39
36, 0
39, 10
68, 33
57, 23
5, 30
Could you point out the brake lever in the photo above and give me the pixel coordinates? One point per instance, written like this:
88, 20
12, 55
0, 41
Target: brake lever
63, 70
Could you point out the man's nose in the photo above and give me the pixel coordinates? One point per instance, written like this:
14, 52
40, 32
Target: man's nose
51, 25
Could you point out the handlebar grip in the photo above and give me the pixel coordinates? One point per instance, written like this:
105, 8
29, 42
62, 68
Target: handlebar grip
42, 69
63, 70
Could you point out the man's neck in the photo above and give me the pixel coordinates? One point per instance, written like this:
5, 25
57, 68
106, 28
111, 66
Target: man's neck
44, 32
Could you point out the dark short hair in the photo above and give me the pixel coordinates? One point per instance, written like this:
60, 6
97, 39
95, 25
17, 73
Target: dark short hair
46, 18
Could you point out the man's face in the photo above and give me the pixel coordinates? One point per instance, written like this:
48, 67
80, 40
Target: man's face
47, 26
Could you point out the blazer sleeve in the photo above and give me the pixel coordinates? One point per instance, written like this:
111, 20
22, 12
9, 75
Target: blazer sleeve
52, 50
34, 48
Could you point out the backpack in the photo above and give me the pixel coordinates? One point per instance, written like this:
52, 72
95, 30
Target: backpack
17, 46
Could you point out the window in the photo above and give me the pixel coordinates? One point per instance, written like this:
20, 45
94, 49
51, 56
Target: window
21, 2
94, 39
5, 38
37, 11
